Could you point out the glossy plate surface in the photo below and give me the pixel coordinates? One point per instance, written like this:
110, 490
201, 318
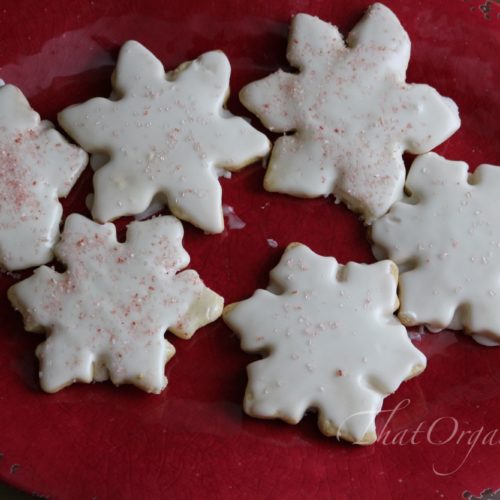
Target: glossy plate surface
441, 438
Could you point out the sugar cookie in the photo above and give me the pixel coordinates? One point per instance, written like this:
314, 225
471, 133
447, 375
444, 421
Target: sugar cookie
351, 113
445, 237
332, 341
164, 134
37, 166
105, 317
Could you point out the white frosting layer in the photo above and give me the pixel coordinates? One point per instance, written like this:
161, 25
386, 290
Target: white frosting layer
37, 166
332, 341
351, 113
446, 239
107, 314
164, 134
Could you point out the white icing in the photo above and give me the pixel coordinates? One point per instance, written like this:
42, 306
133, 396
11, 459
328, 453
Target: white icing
97, 161
89, 201
446, 235
332, 341
351, 113
486, 341
107, 314
233, 221
165, 134
155, 206
224, 173
416, 335
37, 166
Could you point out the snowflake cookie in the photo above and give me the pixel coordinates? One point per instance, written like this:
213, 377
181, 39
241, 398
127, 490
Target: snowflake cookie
165, 134
106, 316
351, 112
37, 166
445, 237
332, 343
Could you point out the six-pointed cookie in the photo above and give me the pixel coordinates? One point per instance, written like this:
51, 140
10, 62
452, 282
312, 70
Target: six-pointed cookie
165, 134
331, 343
37, 166
351, 113
106, 315
445, 236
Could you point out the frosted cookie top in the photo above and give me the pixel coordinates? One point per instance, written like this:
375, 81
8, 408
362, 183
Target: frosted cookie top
351, 112
37, 166
446, 239
164, 134
332, 341
107, 314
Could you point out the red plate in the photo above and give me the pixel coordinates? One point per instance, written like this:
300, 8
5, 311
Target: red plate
441, 437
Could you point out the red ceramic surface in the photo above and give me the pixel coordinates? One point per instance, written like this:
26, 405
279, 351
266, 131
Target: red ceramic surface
193, 441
